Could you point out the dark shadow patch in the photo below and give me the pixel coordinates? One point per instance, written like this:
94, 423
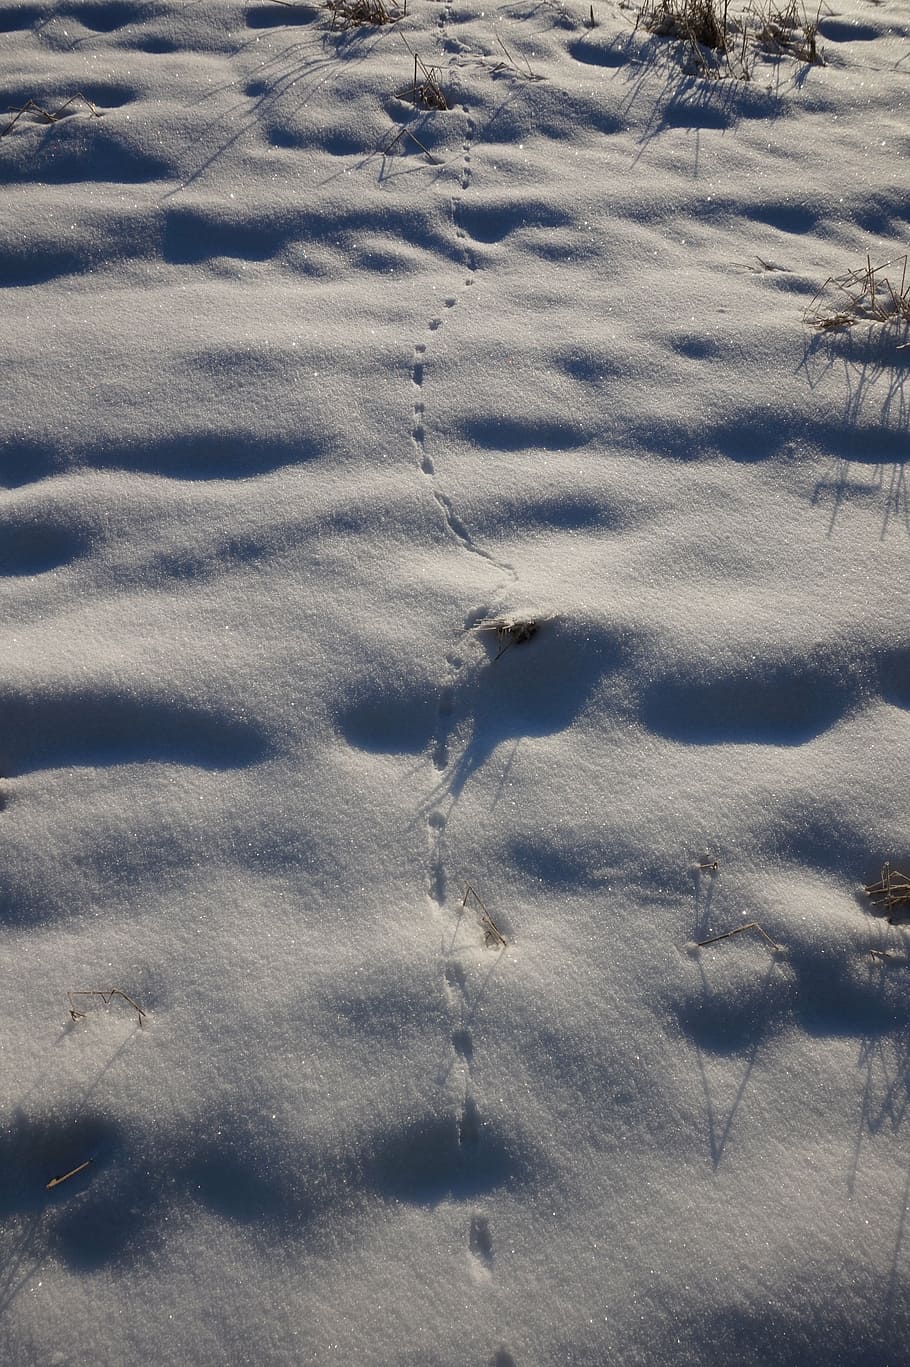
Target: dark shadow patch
786, 217
100, 727
194, 236
76, 149
570, 512
894, 676
151, 43
492, 223
847, 31
289, 139
109, 94
205, 455
34, 547
534, 689
735, 1020
106, 16
696, 348
23, 461
280, 16
34, 1150
245, 1187
695, 113
41, 263
103, 17
753, 437
387, 1007
598, 51
752, 1331
117, 1221
14, 18
846, 997
588, 363
424, 1163
201, 567
522, 434
862, 443
787, 703
827, 837
394, 719
560, 859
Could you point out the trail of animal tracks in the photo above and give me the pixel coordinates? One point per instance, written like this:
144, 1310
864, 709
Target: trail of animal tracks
424, 522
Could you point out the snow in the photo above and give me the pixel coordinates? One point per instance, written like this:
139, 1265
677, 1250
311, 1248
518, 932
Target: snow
294, 413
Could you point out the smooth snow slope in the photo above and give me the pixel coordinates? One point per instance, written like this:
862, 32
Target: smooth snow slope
294, 402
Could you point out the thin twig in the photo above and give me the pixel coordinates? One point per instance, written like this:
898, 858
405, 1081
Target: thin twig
55, 1181
47, 115
106, 997
752, 925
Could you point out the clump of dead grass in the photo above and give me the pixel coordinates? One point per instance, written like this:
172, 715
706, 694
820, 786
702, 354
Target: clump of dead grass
702, 22
869, 294
425, 90
354, 13
719, 43
788, 30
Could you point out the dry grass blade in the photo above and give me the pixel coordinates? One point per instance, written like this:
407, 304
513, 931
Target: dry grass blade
891, 890
510, 64
431, 157
492, 934
106, 997
752, 925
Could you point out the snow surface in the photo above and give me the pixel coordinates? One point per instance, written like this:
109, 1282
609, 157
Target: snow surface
291, 409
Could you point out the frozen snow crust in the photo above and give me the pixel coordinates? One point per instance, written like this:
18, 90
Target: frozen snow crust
304, 388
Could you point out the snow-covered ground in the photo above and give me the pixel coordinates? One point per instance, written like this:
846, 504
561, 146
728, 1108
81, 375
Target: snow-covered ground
303, 386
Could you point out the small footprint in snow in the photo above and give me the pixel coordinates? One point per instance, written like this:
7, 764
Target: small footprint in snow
480, 1244
469, 1124
463, 1045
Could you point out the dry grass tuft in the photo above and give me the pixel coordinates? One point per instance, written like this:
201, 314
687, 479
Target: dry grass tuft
702, 23
425, 91
719, 43
790, 31
892, 890
353, 13
866, 295
510, 631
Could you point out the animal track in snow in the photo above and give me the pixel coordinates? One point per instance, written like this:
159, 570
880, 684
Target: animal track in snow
475, 1149
480, 1244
